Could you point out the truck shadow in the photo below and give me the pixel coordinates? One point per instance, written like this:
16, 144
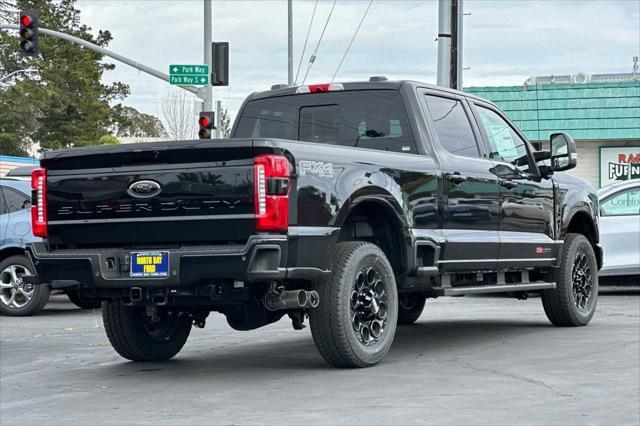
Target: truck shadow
433, 339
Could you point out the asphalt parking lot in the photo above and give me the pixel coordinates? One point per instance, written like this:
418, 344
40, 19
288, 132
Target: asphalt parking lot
468, 360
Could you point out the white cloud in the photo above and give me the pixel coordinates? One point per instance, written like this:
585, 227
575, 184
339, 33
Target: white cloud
505, 41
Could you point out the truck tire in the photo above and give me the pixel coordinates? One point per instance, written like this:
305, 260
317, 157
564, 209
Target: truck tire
82, 303
135, 337
355, 324
410, 306
573, 302
19, 299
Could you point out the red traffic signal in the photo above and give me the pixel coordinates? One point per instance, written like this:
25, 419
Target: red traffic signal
26, 20
29, 33
206, 123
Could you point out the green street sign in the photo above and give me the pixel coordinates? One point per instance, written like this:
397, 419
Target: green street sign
189, 75
189, 80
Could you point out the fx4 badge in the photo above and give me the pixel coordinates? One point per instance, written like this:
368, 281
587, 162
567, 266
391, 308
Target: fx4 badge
319, 168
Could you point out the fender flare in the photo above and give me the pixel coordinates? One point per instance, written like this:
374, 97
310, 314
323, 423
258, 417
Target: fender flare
384, 199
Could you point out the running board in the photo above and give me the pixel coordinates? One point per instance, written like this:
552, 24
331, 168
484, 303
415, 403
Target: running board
501, 288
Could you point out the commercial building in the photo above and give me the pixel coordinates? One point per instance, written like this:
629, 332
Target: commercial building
8, 162
600, 111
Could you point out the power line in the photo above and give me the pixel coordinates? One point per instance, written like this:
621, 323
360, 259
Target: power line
304, 48
312, 59
352, 39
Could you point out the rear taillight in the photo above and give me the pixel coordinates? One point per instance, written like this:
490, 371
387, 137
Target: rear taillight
271, 180
39, 202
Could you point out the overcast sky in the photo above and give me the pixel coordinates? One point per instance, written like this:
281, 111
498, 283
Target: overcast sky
504, 41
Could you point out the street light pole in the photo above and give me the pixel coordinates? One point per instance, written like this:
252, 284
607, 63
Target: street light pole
207, 105
103, 51
290, 42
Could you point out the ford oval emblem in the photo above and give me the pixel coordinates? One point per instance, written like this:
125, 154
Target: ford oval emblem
144, 189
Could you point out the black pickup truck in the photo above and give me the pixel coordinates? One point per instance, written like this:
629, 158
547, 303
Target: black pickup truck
347, 204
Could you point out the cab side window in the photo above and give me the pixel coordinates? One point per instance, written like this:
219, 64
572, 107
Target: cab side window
624, 203
505, 144
452, 126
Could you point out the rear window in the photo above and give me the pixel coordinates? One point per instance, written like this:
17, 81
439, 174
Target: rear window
374, 119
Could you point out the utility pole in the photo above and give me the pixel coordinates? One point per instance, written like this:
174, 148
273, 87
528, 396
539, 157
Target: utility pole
207, 105
459, 26
290, 42
450, 16
453, 57
444, 42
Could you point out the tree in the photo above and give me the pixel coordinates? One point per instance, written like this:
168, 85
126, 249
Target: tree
7, 10
108, 140
225, 123
179, 116
65, 104
129, 122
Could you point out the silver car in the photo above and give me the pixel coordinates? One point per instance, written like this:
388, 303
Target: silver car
16, 297
620, 228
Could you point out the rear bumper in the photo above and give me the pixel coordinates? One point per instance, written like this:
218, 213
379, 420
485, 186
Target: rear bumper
262, 258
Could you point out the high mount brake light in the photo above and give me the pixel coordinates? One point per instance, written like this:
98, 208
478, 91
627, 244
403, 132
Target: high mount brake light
39, 202
320, 88
271, 184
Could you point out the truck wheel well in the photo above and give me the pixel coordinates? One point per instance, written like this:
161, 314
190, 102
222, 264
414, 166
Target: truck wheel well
581, 224
11, 251
375, 223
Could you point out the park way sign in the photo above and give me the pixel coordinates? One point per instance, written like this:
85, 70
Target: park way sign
189, 75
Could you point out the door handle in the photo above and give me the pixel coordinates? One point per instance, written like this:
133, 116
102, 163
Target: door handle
509, 184
456, 178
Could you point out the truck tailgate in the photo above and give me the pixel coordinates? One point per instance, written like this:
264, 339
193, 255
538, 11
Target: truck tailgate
195, 192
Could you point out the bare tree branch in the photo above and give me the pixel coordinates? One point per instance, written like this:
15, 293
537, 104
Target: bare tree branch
8, 12
179, 116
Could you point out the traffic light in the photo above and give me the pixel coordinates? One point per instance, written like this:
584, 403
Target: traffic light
220, 58
207, 123
29, 33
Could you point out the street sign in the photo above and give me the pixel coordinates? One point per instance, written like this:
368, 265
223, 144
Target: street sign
189, 75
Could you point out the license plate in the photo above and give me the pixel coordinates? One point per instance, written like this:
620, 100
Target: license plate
150, 264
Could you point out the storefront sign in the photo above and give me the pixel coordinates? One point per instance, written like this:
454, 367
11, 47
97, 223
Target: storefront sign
619, 163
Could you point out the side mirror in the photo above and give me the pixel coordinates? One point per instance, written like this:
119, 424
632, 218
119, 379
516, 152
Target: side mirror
546, 171
563, 152
539, 156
